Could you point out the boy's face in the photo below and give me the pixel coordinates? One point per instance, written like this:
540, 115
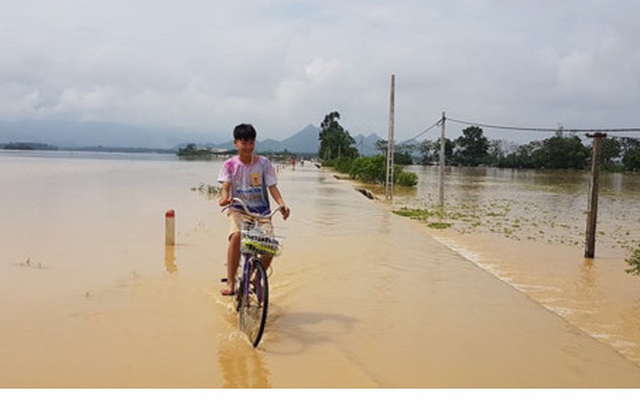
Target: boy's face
245, 146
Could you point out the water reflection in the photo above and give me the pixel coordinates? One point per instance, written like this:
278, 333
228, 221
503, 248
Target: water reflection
472, 174
587, 284
170, 259
242, 366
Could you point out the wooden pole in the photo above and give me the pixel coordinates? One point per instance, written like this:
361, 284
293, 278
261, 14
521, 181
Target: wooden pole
170, 228
592, 211
442, 162
389, 183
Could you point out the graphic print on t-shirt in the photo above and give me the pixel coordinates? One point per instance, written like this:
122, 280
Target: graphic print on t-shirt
256, 179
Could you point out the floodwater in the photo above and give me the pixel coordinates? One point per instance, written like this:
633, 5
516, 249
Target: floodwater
360, 298
529, 227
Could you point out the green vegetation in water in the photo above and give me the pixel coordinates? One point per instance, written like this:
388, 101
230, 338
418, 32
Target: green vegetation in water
371, 170
439, 225
634, 262
417, 213
465, 218
516, 219
210, 191
424, 215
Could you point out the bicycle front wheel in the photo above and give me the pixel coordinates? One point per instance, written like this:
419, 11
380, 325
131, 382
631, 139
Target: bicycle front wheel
254, 302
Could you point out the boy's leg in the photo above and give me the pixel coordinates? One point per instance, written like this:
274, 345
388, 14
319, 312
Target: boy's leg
233, 259
266, 261
233, 252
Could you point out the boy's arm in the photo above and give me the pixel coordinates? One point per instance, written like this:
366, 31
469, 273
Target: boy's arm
275, 193
225, 198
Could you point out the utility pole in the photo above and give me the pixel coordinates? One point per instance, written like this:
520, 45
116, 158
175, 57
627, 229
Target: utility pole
592, 211
389, 182
442, 161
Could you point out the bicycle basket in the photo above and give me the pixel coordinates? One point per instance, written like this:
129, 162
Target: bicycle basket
258, 240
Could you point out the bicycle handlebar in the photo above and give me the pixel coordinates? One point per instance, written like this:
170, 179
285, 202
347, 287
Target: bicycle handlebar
249, 213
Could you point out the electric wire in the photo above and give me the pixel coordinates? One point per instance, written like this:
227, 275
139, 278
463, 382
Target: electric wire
524, 129
530, 129
437, 123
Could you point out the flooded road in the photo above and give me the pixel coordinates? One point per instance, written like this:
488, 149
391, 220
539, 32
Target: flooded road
528, 228
360, 298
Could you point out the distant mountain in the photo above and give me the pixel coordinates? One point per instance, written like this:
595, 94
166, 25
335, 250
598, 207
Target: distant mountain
72, 134
305, 141
366, 145
308, 141
269, 145
88, 133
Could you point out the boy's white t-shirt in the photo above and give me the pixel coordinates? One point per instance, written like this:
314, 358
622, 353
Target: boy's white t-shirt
250, 182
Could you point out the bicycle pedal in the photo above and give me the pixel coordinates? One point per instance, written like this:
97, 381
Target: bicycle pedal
224, 280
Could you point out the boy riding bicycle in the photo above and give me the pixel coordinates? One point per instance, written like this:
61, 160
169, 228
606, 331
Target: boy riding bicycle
251, 178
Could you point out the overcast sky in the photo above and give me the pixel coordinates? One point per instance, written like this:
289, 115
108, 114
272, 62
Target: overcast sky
204, 65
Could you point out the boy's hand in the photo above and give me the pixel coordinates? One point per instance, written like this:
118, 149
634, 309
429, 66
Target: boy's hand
224, 202
285, 211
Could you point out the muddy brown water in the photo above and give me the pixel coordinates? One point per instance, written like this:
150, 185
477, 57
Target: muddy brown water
528, 228
360, 298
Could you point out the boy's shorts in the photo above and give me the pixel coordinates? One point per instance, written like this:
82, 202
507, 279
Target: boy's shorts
235, 222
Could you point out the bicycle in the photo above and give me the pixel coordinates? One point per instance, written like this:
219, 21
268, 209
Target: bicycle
251, 292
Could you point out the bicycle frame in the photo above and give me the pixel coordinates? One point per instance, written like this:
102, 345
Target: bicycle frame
252, 287
247, 259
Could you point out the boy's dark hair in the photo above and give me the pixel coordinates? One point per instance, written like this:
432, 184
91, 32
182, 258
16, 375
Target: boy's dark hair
244, 132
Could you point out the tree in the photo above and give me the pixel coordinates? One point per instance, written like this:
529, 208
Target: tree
369, 169
431, 151
472, 147
401, 154
335, 142
374, 170
611, 150
631, 160
562, 152
499, 151
630, 153
402, 158
527, 155
381, 146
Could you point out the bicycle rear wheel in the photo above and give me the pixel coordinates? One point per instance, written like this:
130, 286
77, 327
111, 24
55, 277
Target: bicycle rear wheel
254, 302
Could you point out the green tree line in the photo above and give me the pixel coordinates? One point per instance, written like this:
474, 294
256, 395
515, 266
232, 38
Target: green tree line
472, 148
561, 151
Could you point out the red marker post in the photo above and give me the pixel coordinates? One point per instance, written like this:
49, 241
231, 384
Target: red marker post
170, 227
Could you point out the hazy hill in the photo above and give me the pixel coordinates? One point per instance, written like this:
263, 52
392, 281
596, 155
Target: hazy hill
366, 145
308, 141
85, 134
303, 141
69, 134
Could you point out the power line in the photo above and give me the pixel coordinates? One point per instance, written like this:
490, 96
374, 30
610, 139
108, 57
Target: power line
437, 123
530, 129
521, 128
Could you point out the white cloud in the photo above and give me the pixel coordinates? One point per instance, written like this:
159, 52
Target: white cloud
319, 69
90, 101
205, 65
